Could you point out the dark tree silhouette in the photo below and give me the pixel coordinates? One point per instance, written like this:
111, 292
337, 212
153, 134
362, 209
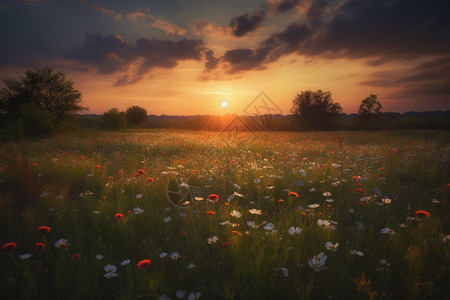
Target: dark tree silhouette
316, 110
43, 88
114, 119
136, 115
369, 112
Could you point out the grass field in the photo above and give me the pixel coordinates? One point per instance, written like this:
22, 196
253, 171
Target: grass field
334, 215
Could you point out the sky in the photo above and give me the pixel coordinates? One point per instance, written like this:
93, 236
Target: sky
180, 57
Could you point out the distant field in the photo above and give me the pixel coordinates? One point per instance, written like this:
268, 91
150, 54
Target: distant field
333, 215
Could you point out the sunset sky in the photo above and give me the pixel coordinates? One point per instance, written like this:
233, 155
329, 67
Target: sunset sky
186, 57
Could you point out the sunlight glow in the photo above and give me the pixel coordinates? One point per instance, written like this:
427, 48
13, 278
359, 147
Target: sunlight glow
224, 103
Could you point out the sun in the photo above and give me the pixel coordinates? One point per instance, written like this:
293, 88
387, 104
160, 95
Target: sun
224, 104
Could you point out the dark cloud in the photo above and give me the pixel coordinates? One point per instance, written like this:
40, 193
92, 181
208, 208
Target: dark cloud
211, 61
316, 11
286, 5
111, 54
243, 24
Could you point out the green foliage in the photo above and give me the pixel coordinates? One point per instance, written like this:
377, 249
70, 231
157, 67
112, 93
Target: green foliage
136, 115
114, 119
369, 112
316, 110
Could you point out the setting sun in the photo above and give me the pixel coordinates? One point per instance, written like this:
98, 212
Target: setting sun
224, 104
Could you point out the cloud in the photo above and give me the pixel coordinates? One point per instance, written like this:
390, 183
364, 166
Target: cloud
243, 24
112, 54
145, 19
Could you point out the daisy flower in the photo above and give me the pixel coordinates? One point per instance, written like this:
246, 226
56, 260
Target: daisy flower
317, 263
329, 246
236, 214
294, 230
61, 244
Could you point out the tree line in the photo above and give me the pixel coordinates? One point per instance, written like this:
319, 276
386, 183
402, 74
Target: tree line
43, 101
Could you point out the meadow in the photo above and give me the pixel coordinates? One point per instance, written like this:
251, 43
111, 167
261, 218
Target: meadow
165, 214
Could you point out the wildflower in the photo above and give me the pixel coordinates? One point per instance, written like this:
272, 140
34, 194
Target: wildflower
317, 263
138, 210
285, 272
269, 226
199, 198
96, 212
138, 196
125, 262
422, 214
167, 219
384, 265
175, 255
97, 167
293, 194
213, 197
386, 201
387, 230
99, 256
9, 247
39, 246
43, 229
224, 223
61, 244
118, 216
191, 266
212, 240
255, 211
110, 275
329, 246
312, 190
356, 252
194, 296
150, 179
313, 205
238, 195
209, 212
252, 224
77, 256
25, 256
326, 194
435, 201
180, 294
403, 226
236, 232
294, 230
236, 214
144, 264
299, 183
163, 254
329, 200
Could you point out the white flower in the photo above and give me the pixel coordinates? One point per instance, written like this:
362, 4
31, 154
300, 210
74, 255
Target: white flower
138, 210
254, 211
224, 223
212, 240
294, 230
191, 266
285, 272
356, 252
180, 294
326, 194
435, 201
96, 212
110, 268
330, 246
99, 256
313, 205
386, 201
317, 263
387, 230
312, 190
403, 226
238, 195
236, 214
252, 224
139, 196
110, 275
199, 198
62, 243
175, 255
167, 219
163, 254
193, 296
125, 262
25, 256
269, 226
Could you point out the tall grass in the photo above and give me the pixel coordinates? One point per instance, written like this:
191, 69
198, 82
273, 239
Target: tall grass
76, 186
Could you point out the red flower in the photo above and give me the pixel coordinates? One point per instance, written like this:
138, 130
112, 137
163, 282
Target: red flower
139, 173
97, 167
39, 246
213, 197
226, 244
43, 229
9, 247
293, 194
118, 216
144, 264
209, 212
77, 256
358, 190
150, 179
422, 214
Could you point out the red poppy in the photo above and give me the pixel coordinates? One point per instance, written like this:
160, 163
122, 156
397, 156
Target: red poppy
97, 167
144, 264
213, 197
77, 256
293, 194
9, 247
422, 214
209, 212
110, 177
358, 190
150, 179
118, 216
43, 229
39, 246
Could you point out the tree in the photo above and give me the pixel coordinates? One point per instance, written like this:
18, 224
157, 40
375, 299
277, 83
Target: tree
136, 115
48, 91
316, 110
369, 112
114, 119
